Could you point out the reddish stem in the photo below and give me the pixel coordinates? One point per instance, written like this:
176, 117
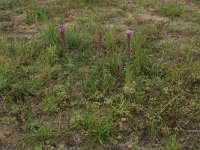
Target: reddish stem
100, 44
128, 44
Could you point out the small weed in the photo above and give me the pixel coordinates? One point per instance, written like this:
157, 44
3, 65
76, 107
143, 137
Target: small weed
115, 62
42, 135
122, 108
129, 87
170, 143
18, 91
89, 1
198, 19
140, 58
37, 14
53, 100
85, 3
107, 80
9, 4
36, 83
91, 82
37, 148
51, 35
172, 10
155, 70
152, 127
75, 40
147, 3
110, 42
97, 125
51, 39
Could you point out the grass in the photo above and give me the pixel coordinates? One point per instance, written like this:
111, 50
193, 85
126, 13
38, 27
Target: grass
37, 13
149, 98
172, 10
53, 99
8, 4
75, 40
171, 143
98, 126
44, 134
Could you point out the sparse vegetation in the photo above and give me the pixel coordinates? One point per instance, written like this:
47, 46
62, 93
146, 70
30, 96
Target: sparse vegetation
44, 134
171, 143
94, 85
172, 9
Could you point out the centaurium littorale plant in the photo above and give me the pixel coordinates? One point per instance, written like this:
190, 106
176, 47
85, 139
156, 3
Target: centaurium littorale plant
62, 37
100, 44
129, 34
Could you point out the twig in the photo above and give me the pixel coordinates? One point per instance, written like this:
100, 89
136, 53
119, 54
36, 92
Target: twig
170, 102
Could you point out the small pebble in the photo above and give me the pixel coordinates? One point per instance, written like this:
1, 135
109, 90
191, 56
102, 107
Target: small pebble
130, 146
61, 146
121, 125
119, 137
123, 119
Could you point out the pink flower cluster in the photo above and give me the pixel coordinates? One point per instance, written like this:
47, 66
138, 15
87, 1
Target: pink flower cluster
129, 34
62, 29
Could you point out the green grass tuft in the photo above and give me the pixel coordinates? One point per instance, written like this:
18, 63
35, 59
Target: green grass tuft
42, 135
98, 126
172, 10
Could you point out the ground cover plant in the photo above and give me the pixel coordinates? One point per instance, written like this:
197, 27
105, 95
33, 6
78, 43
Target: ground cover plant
99, 74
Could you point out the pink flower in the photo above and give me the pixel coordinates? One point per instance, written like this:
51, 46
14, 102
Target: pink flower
129, 32
62, 29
